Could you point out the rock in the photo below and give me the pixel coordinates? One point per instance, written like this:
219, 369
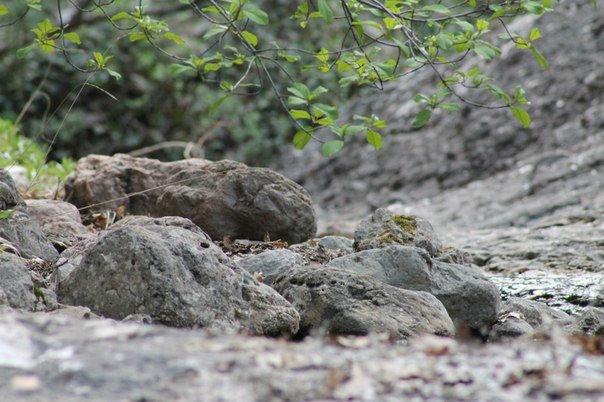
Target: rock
176, 276
401, 266
469, 297
536, 313
384, 227
343, 302
21, 232
591, 322
224, 198
510, 328
271, 263
60, 221
9, 196
15, 283
336, 243
467, 293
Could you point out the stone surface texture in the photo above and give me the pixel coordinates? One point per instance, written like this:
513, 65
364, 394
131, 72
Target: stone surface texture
224, 198
18, 231
470, 298
344, 302
178, 277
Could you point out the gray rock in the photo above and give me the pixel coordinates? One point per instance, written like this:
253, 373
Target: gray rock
344, 302
469, 297
224, 198
18, 229
60, 221
271, 263
9, 196
536, 313
510, 328
384, 228
16, 283
591, 322
336, 243
401, 266
176, 276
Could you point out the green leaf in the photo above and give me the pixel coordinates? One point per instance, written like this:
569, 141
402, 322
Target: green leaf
24, 51
121, 16
540, 59
74, 37
374, 138
211, 67
137, 36
325, 11
327, 110
174, 38
422, 118
250, 37
521, 115
300, 114
535, 34
454, 107
300, 90
3, 11
6, 213
256, 15
436, 8
176, 69
332, 147
113, 73
301, 139
217, 104
215, 30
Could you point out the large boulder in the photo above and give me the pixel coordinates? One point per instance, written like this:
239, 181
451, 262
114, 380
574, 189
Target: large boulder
224, 198
469, 297
384, 227
18, 229
176, 276
343, 302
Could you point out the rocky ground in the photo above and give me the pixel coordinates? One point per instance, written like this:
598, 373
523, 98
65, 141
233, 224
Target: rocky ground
471, 265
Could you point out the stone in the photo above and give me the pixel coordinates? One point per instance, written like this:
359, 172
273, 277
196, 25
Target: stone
336, 243
15, 282
510, 328
60, 221
401, 266
224, 198
347, 303
384, 228
176, 276
469, 297
591, 322
467, 293
536, 313
270, 263
18, 231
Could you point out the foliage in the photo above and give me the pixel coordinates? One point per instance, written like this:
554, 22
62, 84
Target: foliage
15, 149
235, 49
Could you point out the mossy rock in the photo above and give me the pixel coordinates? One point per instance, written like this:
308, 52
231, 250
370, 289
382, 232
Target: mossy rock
385, 228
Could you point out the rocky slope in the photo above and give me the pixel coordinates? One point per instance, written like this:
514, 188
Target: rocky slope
522, 202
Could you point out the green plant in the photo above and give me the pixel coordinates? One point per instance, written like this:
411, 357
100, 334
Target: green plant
234, 50
15, 149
